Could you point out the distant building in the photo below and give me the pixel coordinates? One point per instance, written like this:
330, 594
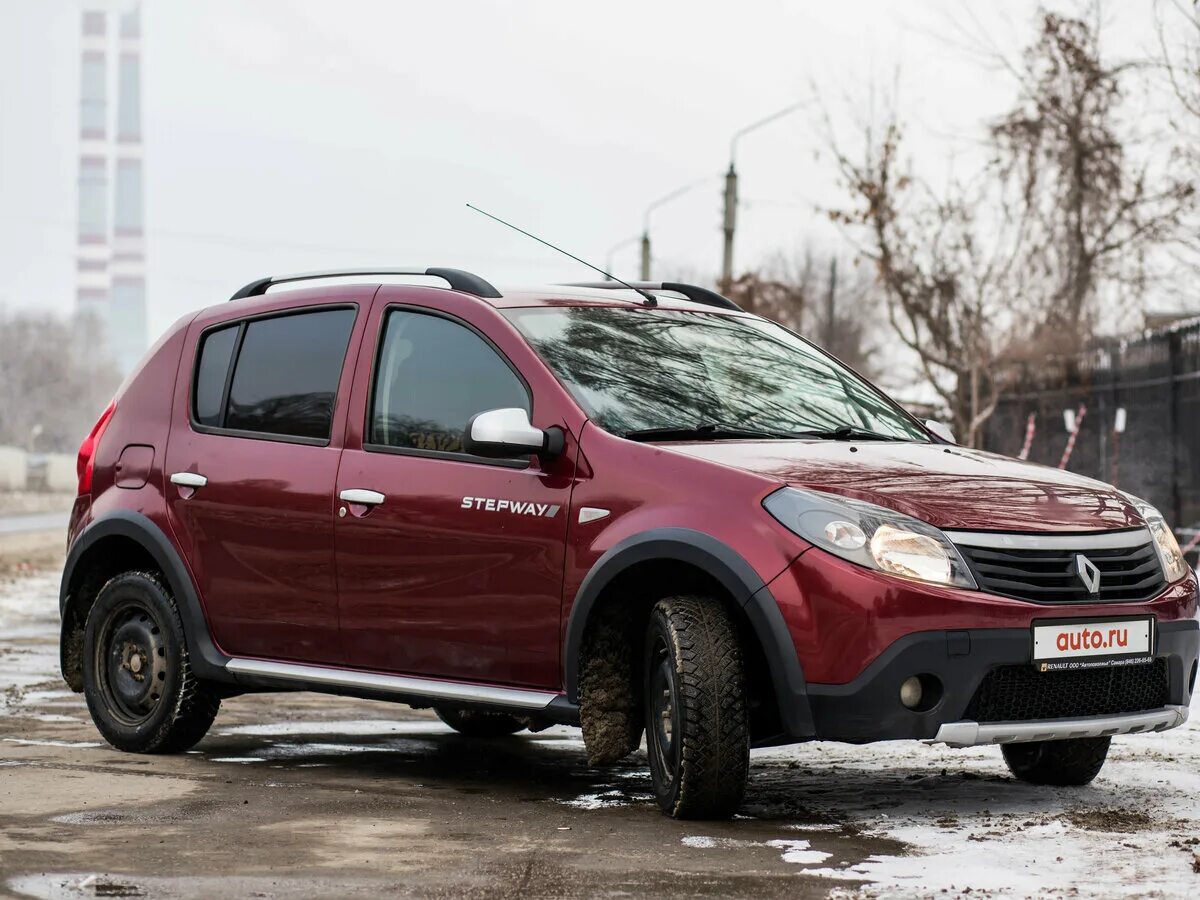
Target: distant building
92, 258
111, 262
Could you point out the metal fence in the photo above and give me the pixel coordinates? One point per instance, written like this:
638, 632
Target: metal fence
1135, 405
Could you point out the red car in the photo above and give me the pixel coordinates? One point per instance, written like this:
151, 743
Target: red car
636, 511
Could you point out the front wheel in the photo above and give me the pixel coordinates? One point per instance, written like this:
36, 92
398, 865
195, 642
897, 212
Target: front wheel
697, 731
1063, 763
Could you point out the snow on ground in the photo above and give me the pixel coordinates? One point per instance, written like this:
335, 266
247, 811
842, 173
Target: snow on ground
28, 610
968, 824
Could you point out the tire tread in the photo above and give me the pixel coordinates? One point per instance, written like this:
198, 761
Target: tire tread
1068, 763
196, 706
715, 756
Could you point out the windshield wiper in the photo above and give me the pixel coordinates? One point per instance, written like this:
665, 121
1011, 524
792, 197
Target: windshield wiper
709, 431
848, 433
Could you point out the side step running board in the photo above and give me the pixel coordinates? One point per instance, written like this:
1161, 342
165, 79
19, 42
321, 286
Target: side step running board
318, 678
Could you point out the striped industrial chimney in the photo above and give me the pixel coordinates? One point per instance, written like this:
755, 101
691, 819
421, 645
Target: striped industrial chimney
92, 257
127, 299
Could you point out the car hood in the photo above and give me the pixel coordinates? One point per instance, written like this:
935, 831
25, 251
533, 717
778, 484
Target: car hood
946, 486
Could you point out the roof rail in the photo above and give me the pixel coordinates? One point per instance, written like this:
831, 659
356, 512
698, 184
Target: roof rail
456, 278
693, 292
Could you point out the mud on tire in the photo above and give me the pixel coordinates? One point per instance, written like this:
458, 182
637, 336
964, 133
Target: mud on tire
697, 730
1063, 763
137, 678
478, 723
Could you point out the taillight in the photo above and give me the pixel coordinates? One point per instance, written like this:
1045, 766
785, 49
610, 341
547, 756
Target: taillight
86, 461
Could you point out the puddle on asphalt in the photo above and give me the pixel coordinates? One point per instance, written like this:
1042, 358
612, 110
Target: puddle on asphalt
29, 742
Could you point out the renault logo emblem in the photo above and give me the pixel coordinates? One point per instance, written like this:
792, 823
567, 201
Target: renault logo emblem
1088, 573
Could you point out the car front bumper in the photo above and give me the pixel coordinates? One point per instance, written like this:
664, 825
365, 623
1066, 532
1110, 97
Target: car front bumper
869, 708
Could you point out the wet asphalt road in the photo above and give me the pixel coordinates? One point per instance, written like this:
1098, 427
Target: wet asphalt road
23, 523
309, 795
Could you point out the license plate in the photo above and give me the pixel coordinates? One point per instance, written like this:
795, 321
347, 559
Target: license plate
1090, 643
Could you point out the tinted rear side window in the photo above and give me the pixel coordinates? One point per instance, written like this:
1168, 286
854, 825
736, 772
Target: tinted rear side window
433, 375
286, 377
215, 353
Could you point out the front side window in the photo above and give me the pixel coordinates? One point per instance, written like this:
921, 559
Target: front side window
285, 377
637, 370
432, 375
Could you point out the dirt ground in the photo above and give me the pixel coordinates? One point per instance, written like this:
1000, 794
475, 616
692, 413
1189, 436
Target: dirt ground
307, 795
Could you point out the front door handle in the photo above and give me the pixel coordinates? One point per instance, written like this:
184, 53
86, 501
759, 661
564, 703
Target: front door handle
362, 496
189, 479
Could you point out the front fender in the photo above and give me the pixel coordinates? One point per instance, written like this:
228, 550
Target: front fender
732, 572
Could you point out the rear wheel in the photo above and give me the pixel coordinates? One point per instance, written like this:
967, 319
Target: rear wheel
1072, 762
477, 723
137, 679
697, 732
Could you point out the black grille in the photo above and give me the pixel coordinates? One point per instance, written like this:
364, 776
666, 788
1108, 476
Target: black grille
1022, 693
1051, 576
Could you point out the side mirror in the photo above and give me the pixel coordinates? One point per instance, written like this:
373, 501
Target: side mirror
941, 429
508, 434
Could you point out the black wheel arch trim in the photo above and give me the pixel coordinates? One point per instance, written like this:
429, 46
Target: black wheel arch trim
207, 661
732, 572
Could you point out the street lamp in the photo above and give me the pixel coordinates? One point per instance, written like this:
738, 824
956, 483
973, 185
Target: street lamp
665, 198
731, 187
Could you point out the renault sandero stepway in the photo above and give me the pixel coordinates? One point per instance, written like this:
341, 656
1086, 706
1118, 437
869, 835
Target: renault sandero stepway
644, 512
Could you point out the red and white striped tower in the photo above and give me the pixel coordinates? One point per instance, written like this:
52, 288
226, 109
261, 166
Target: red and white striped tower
127, 300
93, 253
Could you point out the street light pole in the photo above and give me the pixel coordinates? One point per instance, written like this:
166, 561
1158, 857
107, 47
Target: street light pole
731, 189
665, 198
730, 225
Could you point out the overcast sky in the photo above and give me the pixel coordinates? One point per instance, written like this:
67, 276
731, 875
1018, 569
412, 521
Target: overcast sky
289, 135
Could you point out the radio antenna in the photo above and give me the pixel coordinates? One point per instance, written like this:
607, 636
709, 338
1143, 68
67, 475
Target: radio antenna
650, 299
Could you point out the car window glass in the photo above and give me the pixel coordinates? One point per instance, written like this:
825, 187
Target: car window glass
634, 369
287, 372
433, 375
215, 354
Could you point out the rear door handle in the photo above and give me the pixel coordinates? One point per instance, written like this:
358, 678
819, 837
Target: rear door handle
360, 495
189, 479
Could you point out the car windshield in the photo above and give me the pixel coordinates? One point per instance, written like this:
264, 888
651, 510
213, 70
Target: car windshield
680, 375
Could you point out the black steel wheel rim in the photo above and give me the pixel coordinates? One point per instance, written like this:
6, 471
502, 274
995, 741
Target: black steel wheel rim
131, 662
663, 704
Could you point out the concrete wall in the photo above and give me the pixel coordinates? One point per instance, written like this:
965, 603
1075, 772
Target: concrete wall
12, 469
60, 473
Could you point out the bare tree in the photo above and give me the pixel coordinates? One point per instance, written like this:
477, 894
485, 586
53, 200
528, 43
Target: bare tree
1179, 61
1095, 210
803, 292
1013, 261
52, 375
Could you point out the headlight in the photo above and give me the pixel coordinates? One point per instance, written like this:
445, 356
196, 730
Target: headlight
871, 536
1169, 554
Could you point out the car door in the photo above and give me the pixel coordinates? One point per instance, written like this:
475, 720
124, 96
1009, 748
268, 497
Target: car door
251, 466
456, 571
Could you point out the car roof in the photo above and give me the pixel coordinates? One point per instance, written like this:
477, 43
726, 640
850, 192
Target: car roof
669, 295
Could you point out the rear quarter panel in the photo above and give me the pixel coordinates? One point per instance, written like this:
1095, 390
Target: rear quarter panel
143, 417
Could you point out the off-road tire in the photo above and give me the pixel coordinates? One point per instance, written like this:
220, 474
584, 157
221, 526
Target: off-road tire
1064, 763
477, 723
135, 616
697, 728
